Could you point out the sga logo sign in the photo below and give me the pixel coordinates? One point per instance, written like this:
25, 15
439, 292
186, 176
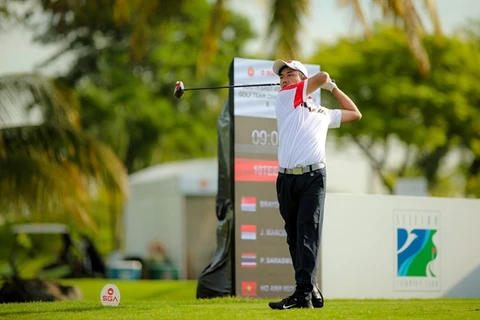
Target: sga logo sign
110, 295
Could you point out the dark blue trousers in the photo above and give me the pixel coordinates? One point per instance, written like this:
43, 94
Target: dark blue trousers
302, 199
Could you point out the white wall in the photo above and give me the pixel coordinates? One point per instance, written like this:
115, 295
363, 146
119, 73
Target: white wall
349, 170
156, 213
359, 246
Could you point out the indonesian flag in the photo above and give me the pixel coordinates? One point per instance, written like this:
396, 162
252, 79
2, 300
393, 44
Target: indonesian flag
248, 232
248, 204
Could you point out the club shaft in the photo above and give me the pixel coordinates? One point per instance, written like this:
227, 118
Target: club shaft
234, 86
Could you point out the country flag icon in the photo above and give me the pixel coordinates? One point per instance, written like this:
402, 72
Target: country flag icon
248, 232
248, 204
249, 260
249, 288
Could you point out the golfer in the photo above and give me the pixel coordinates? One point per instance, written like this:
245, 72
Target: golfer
302, 131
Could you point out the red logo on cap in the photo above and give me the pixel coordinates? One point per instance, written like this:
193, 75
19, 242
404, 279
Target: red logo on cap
289, 61
110, 291
251, 71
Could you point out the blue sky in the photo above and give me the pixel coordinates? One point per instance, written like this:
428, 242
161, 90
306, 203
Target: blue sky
325, 22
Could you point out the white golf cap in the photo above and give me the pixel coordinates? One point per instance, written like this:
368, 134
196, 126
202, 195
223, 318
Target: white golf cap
294, 64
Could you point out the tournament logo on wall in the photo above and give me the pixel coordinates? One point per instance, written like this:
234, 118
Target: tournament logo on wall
417, 251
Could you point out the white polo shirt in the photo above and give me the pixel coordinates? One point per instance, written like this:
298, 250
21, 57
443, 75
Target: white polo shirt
302, 133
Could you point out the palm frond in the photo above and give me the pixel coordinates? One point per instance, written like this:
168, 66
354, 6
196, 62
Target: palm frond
405, 14
285, 25
412, 32
431, 8
121, 12
211, 36
49, 170
358, 12
34, 98
142, 16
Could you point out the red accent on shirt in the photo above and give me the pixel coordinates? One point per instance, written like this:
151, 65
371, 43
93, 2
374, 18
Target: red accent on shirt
299, 95
289, 87
298, 100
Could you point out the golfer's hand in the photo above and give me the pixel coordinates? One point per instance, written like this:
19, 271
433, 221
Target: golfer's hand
316, 81
329, 85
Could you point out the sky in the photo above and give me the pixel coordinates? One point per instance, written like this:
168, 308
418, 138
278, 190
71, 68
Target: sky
326, 22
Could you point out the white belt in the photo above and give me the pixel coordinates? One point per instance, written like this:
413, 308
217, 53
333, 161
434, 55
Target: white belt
302, 170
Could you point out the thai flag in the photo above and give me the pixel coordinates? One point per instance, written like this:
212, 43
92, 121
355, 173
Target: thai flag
249, 260
248, 232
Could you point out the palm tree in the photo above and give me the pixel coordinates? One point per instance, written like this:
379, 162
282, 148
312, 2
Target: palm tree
287, 15
49, 169
406, 14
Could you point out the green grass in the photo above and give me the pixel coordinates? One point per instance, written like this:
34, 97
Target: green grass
176, 300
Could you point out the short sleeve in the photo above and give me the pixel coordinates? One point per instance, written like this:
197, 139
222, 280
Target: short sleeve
335, 118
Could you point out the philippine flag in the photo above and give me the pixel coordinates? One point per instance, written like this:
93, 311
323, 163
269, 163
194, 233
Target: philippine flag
249, 260
248, 232
249, 288
248, 204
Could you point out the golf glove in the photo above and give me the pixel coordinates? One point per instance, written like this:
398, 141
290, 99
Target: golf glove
329, 85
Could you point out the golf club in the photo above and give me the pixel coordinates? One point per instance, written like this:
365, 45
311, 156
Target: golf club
180, 88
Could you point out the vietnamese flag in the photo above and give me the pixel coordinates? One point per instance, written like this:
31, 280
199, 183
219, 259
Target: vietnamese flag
249, 288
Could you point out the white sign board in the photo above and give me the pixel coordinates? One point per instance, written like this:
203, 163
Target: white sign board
260, 101
376, 246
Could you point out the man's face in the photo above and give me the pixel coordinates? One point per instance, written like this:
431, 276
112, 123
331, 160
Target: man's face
289, 76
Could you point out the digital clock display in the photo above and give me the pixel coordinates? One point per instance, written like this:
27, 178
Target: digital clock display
256, 137
264, 138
